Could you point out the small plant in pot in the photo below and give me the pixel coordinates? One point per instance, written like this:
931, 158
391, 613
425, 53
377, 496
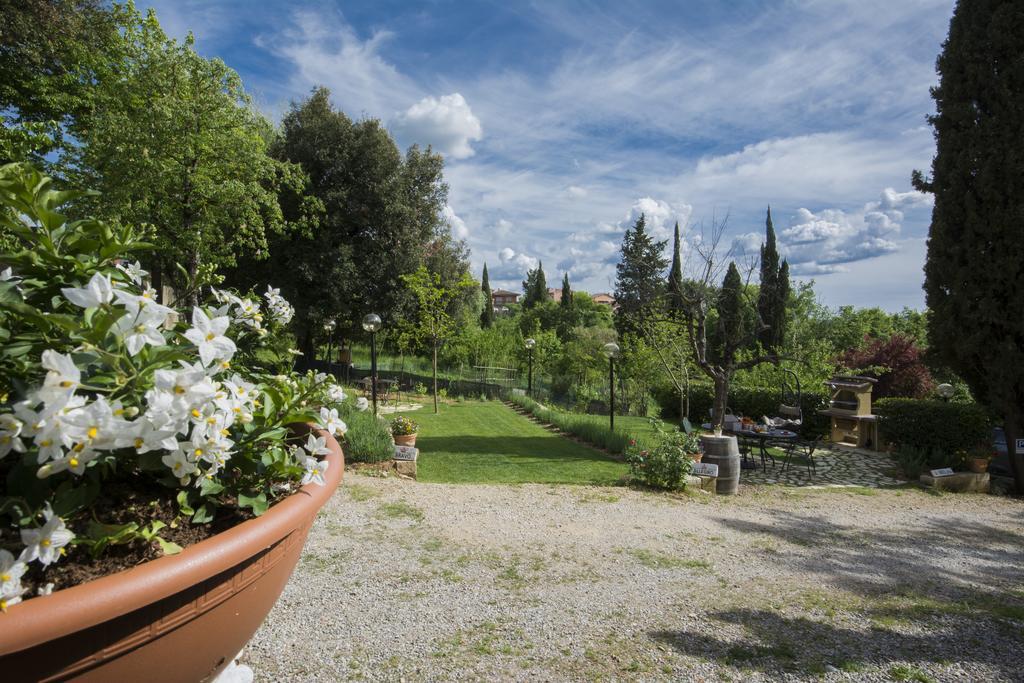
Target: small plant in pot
403, 431
978, 458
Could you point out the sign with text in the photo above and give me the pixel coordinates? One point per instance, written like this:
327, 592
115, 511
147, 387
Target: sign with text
1020, 446
705, 469
406, 452
944, 472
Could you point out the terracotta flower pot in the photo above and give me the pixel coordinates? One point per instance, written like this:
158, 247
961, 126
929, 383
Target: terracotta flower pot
696, 456
405, 440
177, 618
978, 465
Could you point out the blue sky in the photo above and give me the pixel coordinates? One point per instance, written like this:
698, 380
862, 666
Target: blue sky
562, 121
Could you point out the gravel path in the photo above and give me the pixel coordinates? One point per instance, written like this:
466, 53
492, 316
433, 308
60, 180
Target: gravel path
409, 581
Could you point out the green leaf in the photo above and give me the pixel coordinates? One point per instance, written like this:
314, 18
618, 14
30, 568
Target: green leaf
69, 499
258, 503
210, 487
183, 503
168, 547
204, 514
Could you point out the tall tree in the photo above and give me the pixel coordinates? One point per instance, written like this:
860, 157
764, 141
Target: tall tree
382, 218
434, 319
974, 283
768, 302
174, 142
566, 300
487, 316
535, 287
675, 276
566, 311
780, 322
639, 274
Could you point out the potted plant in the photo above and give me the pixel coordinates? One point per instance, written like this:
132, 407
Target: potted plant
134, 435
978, 458
403, 431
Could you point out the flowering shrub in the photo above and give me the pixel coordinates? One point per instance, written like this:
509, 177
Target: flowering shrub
105, 390
403, 426
666, 464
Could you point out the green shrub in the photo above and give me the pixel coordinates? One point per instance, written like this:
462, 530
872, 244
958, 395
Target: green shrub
368, 439
938, 428
667, 463
915, 460
589, 428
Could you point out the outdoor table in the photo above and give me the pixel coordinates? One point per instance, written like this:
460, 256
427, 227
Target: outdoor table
762, 438
384, 387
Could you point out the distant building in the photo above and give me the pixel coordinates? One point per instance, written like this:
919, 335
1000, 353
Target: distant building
555, 294
604, 298
503, 297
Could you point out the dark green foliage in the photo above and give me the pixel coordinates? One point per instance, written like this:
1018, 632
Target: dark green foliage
639, 276
566, 301
974, 282
535, 287
771, 300
381, 220
730, 316
935, 426
675, 278
487, 316
567, 317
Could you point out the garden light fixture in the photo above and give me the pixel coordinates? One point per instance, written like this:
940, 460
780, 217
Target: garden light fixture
372, 323
530, 343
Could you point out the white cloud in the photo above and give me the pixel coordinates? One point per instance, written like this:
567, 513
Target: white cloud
825, 242
574, 191
447, 123
512, 266
457, 225
660, 217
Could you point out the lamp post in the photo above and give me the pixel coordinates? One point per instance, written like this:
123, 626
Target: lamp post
530, 343
372, 323
611, 350
945, 391
329, 329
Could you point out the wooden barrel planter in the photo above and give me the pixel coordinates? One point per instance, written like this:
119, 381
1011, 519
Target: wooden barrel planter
724, 452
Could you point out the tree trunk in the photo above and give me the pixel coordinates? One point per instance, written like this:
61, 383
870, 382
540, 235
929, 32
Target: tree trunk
435, 377
1012, 430
721, 399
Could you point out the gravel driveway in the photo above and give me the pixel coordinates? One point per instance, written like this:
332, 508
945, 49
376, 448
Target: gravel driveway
409, 581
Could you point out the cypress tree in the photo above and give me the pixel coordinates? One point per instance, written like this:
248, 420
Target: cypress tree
768, 303
675, 277
566, 302
535, 287
639, 274
487, 315
974, 280
730, 314
779, 324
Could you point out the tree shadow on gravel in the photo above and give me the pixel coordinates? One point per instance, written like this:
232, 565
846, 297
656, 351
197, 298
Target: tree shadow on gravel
970, 611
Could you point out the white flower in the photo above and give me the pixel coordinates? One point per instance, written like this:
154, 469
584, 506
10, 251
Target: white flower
330, 422
46, 589
315, 470
142, 327
94, 424
208, 336
10, 435
11, 571
75, 461
6, 274
10, 599
189, 384
317, 445
147, 300
134, 271
97, 292
362, 404
45, 543
180, 463
150, 437
336, 393
279, 308
63, 377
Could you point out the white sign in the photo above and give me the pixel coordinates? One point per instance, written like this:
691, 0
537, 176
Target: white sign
705, 469
1020, 446
944, 472
406, 453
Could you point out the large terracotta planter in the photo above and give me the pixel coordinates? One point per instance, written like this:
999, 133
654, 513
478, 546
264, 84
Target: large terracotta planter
404, 439
178, 618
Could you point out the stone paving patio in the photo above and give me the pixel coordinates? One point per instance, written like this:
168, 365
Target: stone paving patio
835, 467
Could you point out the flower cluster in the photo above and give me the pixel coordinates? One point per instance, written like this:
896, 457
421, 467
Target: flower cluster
403, 426
101, 383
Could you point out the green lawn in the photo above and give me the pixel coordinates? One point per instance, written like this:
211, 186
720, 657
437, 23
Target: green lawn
487, 442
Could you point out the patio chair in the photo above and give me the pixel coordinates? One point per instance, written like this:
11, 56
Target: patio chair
802, 448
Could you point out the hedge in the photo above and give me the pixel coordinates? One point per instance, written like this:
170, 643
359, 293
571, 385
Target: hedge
750, 401
589, 428
934, 426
